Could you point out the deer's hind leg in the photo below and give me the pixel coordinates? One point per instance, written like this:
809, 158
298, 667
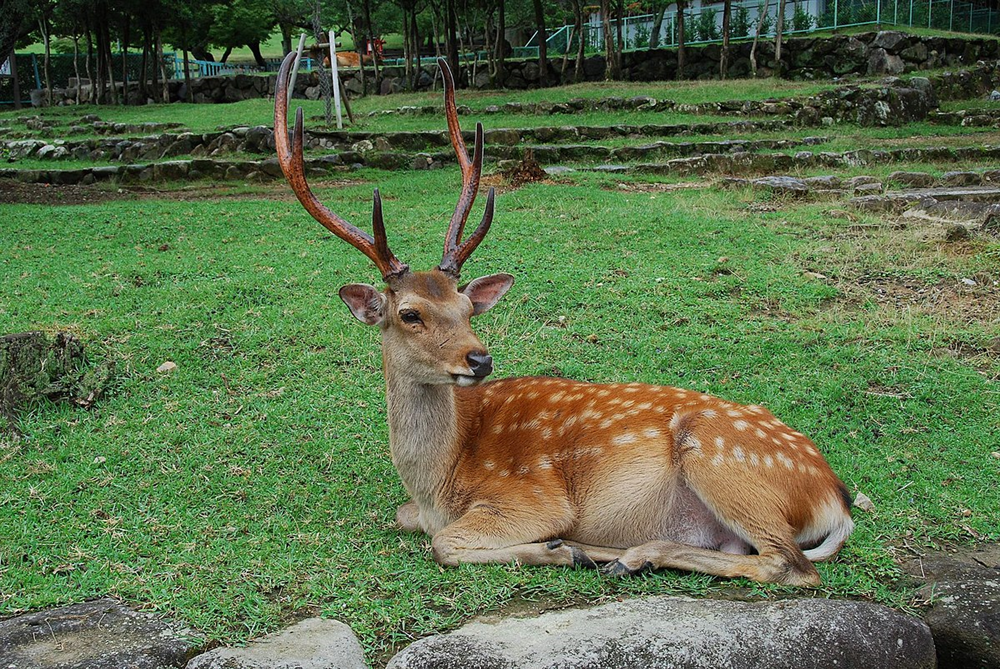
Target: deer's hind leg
752, 515
491, 533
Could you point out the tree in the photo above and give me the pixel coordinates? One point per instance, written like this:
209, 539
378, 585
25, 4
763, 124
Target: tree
779, 29
681, 8
543, 60
290, 15
242, 23
659, 10
727, 11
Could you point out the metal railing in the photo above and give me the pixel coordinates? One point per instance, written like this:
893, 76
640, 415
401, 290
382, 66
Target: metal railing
704, 25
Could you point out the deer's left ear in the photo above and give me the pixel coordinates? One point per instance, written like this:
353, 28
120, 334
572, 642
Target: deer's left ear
486, 291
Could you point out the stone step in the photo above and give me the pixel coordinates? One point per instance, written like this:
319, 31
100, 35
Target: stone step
260, 140
896, 201
735, 162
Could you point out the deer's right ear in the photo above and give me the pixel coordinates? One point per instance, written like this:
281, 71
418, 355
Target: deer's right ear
365, 302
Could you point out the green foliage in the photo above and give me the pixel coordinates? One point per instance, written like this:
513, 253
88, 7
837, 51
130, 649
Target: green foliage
706, 27
739, 24
765, 23
801, 19
241, 22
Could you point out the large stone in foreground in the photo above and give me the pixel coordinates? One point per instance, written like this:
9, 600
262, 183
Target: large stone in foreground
315, 643
683, 633
102, 634
964, 613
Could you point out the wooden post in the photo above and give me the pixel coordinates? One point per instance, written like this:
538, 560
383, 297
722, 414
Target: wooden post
336, 80
295, 67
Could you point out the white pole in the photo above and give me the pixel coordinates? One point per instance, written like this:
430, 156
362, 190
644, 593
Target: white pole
336, 81
295, 67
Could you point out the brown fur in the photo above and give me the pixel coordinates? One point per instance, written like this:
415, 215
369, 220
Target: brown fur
632, 474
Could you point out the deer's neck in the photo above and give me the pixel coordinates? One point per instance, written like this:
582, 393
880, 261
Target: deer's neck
423, 436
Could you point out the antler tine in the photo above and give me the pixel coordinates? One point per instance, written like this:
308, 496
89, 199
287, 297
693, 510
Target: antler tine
293, 166
455, 253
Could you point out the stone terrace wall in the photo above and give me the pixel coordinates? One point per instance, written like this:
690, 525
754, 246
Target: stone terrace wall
886, 52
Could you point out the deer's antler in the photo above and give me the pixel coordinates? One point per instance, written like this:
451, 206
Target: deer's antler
293, 165
456, 253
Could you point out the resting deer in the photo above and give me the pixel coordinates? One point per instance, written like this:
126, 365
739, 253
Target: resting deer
545, 471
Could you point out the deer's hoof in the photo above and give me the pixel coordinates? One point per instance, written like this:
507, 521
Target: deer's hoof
581, 559
620, 569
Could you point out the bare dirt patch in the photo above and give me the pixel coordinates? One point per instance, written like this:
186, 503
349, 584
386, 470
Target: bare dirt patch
956, 301
658, 188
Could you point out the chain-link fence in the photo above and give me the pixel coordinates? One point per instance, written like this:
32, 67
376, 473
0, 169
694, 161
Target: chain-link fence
705, 24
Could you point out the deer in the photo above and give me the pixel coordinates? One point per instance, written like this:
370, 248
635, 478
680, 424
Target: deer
623, 477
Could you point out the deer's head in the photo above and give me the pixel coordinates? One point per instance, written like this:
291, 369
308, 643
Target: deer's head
424, 317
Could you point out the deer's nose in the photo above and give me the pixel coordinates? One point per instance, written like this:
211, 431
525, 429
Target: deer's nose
480, 362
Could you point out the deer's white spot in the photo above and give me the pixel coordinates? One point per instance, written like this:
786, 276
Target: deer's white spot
738, 454
741, 425
624, 438
768, 461
652, 433
544, 462
489, 465
709, 413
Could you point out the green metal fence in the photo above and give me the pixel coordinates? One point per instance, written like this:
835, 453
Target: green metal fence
705, 24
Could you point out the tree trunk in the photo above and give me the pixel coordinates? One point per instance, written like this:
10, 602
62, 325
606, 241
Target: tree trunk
358, 34
581, 40
727, 10
619, 43
88, 66
286, 39
407, 49
258, 57
325, 82
162, 66
366, 5
76, 65
681, 55
143, 76
501, 41
756, 37
450, 42
109, 60
43, 25
124, 43
543, 50
188, 95
654, 33
610, 72
225, 54
778, 34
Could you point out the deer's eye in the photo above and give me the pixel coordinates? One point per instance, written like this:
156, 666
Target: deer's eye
410, 316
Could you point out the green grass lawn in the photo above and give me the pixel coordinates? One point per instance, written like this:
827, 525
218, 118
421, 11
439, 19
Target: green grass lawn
253, 485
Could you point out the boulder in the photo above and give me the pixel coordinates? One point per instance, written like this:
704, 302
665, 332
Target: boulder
315, 643
101, 634
964, 614
881, 61
683, 633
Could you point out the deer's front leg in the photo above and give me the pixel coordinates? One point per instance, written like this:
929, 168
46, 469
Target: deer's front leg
408, 517
488, 533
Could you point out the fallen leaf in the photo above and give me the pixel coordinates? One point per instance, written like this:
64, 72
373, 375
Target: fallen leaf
863, 502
